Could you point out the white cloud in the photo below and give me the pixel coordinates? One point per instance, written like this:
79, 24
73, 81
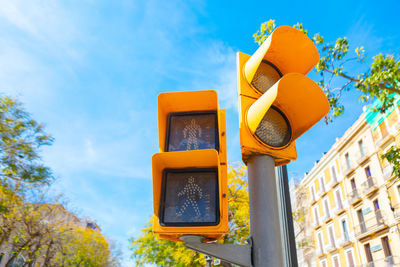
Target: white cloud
46, 21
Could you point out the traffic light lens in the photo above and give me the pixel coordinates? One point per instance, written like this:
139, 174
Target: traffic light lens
274, 129
190, 198
192, 131
266, 76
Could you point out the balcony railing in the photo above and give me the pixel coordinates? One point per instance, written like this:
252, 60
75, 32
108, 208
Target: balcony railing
383, 139
396, 127
387, 172
326, 217
362, 156
316, 223
397, 212
370, 225
347, 168
319, 194
384, 262
320, 251
330, 247
369, 185
341, 207
354, 196
344, 239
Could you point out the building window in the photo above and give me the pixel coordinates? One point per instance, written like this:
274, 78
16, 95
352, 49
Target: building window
323, 263
368, 253
338, 195
321, 247
334, 176
386, 247
331, 233
361, 148
335, 261
383, 128
367, 172
312, 193
321, 181
348, 163
350, 258
360, 216
316, 217
377, 211
326, 205
345, 229
353, 184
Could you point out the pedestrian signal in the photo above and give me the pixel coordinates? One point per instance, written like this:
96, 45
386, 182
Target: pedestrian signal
190, 174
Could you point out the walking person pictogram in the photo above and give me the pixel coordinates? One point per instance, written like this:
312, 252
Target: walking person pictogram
192, 193
192, 132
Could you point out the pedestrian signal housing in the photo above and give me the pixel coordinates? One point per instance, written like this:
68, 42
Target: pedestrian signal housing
190, 173
277, 102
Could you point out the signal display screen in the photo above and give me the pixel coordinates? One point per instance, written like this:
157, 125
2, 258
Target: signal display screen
190, 198
192, 131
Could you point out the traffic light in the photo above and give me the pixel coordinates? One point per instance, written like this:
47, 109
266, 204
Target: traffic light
190, 172
277, 102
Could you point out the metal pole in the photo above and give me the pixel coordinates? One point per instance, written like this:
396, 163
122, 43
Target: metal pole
289, 241
264, 212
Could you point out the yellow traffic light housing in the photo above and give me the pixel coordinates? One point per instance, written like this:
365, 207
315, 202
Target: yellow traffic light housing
277, 102
189, 195
190, 172
177, 110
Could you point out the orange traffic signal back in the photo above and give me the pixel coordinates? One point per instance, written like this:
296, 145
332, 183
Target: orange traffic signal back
277, 102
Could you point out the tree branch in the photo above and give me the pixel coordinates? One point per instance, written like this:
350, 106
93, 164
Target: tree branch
383, 87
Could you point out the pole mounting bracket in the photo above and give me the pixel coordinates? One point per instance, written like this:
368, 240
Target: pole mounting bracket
236, 254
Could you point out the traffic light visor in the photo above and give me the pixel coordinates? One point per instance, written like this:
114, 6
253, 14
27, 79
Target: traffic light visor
288, 49
199, 129
295, 97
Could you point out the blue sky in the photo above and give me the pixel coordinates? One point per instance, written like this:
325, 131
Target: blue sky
91, 71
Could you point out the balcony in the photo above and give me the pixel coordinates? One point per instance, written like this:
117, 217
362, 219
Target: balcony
397, 212
383, 140
396, 127
370, 225
340, 208
330, 247
347, 169
388, 172
316, 224
320, 252
313, 199
370, 186
345, 240
354, 196
384, 262
362, 156
327, 217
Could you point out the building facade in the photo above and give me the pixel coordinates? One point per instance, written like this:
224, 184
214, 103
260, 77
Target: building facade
352, 203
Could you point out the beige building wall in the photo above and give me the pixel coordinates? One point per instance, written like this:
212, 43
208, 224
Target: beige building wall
353, 200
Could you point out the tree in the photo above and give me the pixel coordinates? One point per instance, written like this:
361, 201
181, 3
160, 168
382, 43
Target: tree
21, 138
32, 228
380, 80
47, 235
148, 248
